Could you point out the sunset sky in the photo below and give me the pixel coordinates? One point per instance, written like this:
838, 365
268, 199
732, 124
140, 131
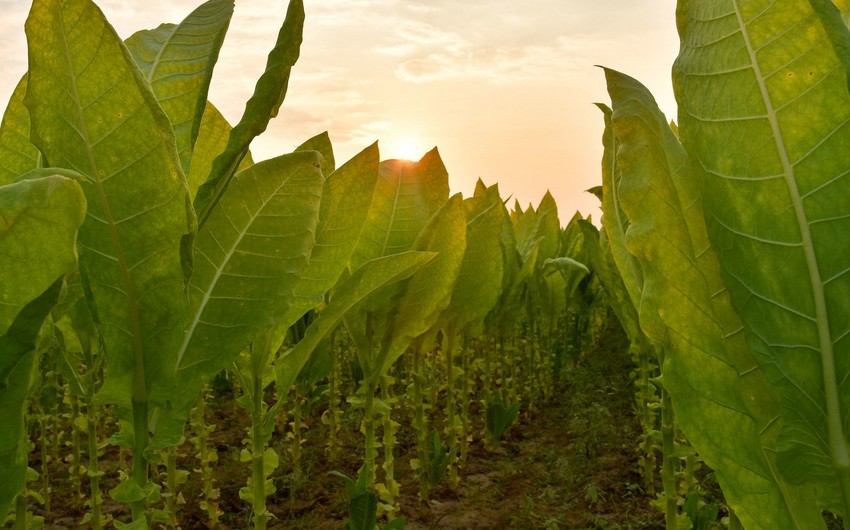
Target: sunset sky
505, 89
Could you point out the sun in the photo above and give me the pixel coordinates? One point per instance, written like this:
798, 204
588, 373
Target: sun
405, 149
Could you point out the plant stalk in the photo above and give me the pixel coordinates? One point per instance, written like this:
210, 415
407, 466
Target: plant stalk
21, 511
451, 406
420, 423
258, 446
140, 462
668, 468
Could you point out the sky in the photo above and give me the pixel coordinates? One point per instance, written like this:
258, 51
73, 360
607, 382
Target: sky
504, 89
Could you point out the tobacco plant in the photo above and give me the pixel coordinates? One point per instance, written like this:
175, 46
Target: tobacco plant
92, 109
41, 215
733, 220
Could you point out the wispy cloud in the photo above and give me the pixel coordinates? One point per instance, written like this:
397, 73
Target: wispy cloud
497, 64
347, 12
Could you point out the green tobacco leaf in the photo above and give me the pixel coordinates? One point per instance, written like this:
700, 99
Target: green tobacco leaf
428, 292
40, 219
834, 15
766, 112
480, 188
212, 139
548, 227
723, 401
500, 417
18, 339
362, 511
177, 61
511, 263
248, 258
13, 438
613, 219
569, 269
69, 355
345, 204
601, 262
479, 281
370, 277
321, 143
259, 110
526, 230
17, 154
552, 298
512, 304
406, 196
92, 112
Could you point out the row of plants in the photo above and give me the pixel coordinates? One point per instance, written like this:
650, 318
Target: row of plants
165, 255
145, 252
724, 252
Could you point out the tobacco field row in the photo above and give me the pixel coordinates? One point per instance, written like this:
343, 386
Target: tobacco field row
151, 266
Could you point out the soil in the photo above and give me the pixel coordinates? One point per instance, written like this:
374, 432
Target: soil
570, 463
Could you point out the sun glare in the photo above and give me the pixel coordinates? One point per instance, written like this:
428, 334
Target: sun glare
405, 150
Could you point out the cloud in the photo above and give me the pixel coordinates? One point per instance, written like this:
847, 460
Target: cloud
408, 38
497, 64
346, 12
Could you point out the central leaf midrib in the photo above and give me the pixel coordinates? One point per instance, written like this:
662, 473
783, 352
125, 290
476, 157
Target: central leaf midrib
838, 448
139, 385
160, 53
386, 242
220, 270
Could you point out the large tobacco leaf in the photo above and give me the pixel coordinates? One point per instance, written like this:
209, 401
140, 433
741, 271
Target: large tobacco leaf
614, 219
766, 111
597, 253
263, 105
322, 144
346, 196
722, 398
177, 61
40, 218
548, 228
211, 141
406, 195
370, 277
17, 154
249, 257
427, 293
479, 280
92, 111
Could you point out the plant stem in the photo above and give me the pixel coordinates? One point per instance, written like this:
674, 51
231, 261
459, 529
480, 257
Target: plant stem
464, 400
668, 467
451, 414
205, 457
295, 446
45, 475
258, 478
420, 423
333, 400
140, 462
392, 487
369, 386
21, 511
531, 365
646, 397
371, 444
503, 362
171, 482
93, 473
76, 479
